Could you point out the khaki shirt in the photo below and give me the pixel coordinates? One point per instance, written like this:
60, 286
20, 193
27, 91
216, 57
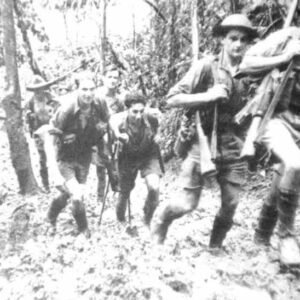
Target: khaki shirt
199, 79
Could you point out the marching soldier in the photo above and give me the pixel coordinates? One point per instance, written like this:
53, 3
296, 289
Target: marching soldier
210, 82
107, 93
281, 137
79, 124
38, 111
136, 129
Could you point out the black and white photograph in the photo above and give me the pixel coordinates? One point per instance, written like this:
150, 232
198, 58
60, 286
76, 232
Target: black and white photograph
150, 150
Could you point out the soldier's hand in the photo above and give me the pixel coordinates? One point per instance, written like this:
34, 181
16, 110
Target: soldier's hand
123, 137
69, 138
218, 91
101, 127
292, 49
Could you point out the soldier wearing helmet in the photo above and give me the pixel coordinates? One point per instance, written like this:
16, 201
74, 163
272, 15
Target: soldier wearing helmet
211, 81
38, 111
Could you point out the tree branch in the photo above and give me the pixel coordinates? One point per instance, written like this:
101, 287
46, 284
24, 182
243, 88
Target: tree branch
163, 17
32, 62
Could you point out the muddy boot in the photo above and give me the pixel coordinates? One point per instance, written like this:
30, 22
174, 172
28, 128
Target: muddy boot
163, 220
266, 224
150, 206
79, 215
219, 231
121, 207
288, 247
56, 206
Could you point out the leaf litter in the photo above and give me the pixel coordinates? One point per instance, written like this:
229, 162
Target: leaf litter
113, 264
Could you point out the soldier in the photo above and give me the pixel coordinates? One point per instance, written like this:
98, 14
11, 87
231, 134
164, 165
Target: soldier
107, 93
281, 138
38, 111
81, 123
211, 81
137, 129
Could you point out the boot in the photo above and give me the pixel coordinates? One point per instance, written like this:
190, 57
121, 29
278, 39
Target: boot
219, 231
266, 224
121, 207
288, 247
150, 206
78, 211
56, 206
287, 206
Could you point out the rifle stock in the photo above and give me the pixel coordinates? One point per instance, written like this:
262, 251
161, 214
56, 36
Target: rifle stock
214, 138
206, 164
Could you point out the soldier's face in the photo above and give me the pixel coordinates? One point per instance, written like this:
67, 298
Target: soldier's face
235, 43
86, 91
136, 112
111, 79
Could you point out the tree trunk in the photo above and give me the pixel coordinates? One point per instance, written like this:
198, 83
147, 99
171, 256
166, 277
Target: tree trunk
173, 45
19, 150
23, 28
195, 31
103, 36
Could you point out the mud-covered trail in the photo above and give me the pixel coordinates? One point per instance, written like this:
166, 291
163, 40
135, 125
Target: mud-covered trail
115, 265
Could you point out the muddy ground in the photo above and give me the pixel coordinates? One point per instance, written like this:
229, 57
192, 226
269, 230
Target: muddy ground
115, 265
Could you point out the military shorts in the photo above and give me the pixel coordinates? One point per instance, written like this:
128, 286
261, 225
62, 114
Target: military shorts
70, 170
128, 170
231, 172
282, 130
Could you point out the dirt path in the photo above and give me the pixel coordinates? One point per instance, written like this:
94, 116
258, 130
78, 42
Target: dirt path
114, 265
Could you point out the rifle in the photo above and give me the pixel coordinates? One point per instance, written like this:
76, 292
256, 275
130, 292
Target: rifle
46, 85
206, 164
255, 130
276, 98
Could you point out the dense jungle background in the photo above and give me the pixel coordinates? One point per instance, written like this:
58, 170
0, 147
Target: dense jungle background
151, 42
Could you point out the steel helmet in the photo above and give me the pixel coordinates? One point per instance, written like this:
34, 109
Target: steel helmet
235, 21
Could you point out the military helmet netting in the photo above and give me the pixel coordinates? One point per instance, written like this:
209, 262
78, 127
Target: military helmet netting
235, 21
134, 98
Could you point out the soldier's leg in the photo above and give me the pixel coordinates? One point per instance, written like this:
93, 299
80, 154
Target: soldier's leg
280, 139
56, 206
151, 171
181, 204
127, 175
268, 215
60, 202
78, 196
101, 175
121, 205
152, 182
43, 161
44, 170
231, 178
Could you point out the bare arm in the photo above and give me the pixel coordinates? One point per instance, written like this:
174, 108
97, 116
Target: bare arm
115, 124
187, 91
216, 93
255, 63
